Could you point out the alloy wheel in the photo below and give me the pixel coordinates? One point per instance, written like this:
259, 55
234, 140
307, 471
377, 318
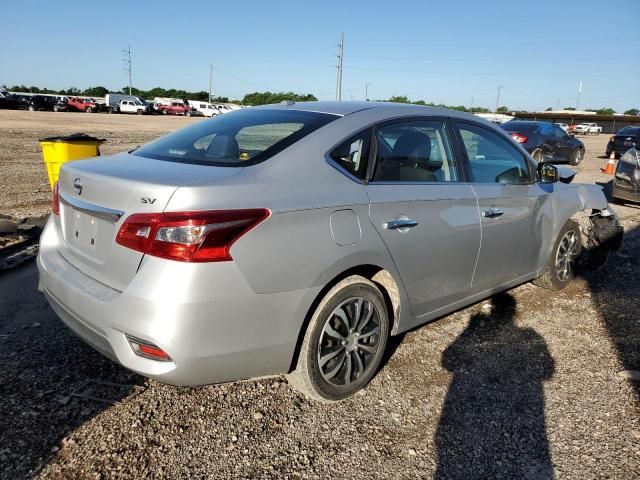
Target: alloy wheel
567, 251
348, 342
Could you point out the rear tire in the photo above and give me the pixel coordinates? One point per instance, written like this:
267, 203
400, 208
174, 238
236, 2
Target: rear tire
344, 342
577, 156
561, 264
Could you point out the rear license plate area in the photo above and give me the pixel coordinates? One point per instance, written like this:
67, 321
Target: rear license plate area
87, 234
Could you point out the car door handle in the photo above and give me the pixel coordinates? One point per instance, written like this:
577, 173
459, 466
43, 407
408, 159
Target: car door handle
492, 213
398, 224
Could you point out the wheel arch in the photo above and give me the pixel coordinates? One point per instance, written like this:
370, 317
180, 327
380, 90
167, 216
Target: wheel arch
381, 277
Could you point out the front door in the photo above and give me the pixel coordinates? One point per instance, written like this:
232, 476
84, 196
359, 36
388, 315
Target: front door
427, 218
509, 203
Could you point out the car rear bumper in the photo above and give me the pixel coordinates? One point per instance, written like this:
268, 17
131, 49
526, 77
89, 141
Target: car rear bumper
213, 326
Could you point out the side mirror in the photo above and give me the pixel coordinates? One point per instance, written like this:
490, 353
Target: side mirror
548, 173
571, 135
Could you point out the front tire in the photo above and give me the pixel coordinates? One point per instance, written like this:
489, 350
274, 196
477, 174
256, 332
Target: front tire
344, 342
577, 156
561, 264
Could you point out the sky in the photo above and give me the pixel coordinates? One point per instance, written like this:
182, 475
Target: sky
453, 52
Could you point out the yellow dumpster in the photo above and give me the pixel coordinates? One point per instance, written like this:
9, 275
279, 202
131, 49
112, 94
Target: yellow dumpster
59, 150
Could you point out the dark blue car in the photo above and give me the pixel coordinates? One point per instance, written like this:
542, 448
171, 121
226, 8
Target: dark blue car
546, 141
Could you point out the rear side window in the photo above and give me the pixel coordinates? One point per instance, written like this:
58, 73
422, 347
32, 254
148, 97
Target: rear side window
352, 154
493, 159
237, 139
546, 129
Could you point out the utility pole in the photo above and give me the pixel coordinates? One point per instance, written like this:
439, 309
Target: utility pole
471, 110
210, 80
500, 87
127, 64
578, 98
558, 104
339, 67
366, 91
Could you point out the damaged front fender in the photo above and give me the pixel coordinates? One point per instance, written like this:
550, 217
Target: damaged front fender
602, 231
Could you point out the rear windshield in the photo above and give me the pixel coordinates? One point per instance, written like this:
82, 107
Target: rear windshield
236, 139
629, 131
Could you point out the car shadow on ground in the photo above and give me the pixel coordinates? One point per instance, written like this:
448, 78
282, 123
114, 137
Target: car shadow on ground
496, 400
615, 291
41, 365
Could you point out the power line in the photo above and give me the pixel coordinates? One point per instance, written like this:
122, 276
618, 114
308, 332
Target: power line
127, 63
241, 79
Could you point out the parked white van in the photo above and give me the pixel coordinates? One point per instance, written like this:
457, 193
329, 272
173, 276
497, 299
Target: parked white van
207, 109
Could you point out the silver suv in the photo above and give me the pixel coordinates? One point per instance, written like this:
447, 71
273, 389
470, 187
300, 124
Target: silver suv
297, 238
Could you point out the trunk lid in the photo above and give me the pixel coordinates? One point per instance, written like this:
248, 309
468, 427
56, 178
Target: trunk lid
96, 197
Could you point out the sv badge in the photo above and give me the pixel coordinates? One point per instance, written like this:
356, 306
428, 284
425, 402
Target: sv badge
148, 200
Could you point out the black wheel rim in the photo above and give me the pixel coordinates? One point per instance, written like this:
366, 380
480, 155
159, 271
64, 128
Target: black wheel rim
349, 342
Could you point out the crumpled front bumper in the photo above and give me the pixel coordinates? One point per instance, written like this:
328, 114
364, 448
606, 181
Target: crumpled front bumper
604, 236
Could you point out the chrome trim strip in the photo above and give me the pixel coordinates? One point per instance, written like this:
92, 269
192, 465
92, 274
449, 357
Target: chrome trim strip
104, 213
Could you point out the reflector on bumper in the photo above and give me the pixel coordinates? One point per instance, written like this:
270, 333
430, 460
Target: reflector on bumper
146, 349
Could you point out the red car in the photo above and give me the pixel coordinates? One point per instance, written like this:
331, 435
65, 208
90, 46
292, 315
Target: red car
174, 108
83, 104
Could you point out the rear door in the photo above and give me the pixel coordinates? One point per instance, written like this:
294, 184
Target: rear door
427, 216
509, 202
564, 148
549, 141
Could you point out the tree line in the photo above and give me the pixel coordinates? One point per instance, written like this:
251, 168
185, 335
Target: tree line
250, 99
263, 98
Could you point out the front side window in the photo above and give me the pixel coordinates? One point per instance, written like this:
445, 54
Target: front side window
414, 151
238, 139
493, 159
352, 154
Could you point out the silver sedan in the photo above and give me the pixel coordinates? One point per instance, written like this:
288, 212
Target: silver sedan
296, 238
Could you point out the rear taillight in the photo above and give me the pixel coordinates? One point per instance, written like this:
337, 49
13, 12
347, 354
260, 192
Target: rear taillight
518, 137
189, 236
55, 204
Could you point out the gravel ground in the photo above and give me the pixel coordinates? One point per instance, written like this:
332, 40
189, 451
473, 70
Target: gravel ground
526, 385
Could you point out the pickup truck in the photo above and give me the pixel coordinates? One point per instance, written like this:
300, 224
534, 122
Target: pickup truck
132, 106
175, 108
82, 104
588, 129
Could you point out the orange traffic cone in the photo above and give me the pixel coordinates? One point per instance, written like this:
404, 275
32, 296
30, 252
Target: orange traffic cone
610, 167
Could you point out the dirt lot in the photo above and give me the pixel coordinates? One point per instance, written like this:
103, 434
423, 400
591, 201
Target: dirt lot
527, 385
